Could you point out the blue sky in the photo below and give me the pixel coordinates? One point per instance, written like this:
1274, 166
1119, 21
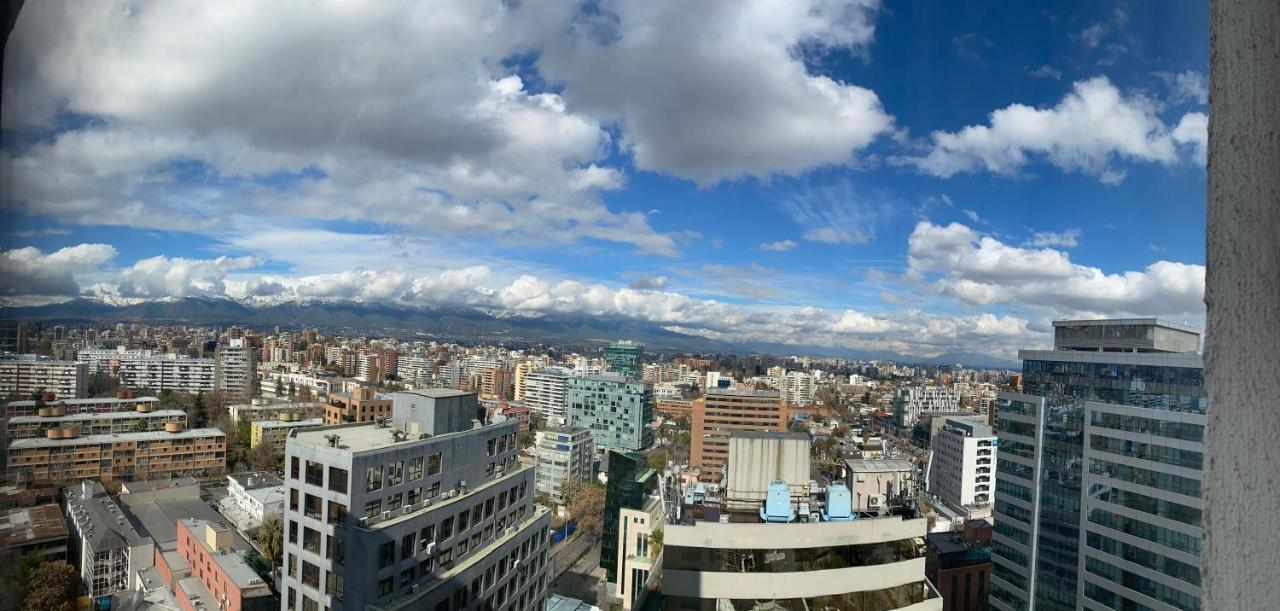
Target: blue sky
910, 177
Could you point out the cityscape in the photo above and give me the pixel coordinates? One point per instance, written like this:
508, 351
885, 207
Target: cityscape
819, 305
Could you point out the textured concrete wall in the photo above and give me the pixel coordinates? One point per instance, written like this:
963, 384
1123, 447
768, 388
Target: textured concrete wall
1242, 348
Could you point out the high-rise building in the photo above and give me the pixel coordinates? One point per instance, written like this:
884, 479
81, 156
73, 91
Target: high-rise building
563, 454
167, 372
616, 410
962, 464
25, 375
721, 413
913, 401
798, 388
624, 358
631, 480
235, 370
13, 336
1099, 496
546, 391
430, 511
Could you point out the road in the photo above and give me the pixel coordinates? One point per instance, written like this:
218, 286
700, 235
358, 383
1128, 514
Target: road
575, 568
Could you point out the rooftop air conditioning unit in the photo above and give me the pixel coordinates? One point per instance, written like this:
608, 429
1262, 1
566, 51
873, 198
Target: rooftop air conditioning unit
386, 515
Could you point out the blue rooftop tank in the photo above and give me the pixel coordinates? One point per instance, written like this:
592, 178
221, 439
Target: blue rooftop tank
777, 504
839, 504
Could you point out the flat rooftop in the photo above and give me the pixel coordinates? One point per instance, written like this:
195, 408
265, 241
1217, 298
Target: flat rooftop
769, 435
82, 417
880, 465
1113, 322
231, 562
31, 525
773, 394
437, 393
288, 424
117, 438
361, 436
252, 480
96, 401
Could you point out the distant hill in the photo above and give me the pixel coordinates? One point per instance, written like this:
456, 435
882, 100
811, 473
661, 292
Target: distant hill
446, 324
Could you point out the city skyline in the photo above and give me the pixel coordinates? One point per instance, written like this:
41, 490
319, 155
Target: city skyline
919, 180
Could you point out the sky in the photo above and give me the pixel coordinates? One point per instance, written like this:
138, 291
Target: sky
912, 177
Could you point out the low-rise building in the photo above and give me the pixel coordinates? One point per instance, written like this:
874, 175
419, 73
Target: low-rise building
217, 576
38, 531
275, 432
108, 548
360, 405
563, 454
959, 564
172, 452
26, 427
124, 401
25, 375
257, 495
878, 485
266, 409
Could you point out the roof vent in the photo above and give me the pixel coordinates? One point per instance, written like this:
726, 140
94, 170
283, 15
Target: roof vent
777, 504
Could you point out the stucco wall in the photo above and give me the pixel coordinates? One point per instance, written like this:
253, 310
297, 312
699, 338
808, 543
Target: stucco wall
1243, 295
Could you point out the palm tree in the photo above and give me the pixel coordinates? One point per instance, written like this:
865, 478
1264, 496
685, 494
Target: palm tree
271, 537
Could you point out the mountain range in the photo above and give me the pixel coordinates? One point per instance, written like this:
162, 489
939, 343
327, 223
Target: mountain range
467, 324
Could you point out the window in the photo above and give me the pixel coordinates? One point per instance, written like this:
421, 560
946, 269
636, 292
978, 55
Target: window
395, 501
373, 478
333, 584
493, 447
395, 473
406, 545
373, 508
336, 550
427, 536
296, 468
488, 509
311, 540
292, 563
384, 587
315, 473
446, 529
415, 496
426, 566
415, 468
293, 499
386, 554
463, 520
293, 532
433, 464
310, 574
337, 513
293, 598
406, 578
338, 480
312, 507
309, 605
446, 556
433, 491
462, 547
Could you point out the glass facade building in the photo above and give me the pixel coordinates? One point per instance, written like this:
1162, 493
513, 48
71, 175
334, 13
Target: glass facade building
615, 409
1098, 500
630, 482
624, 358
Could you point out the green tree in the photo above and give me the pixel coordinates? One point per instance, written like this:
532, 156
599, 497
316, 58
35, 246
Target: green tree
17, 576
263, 457
658, 459
271, 538
53, 586
527, 439
584, 502
259, 563
655, 543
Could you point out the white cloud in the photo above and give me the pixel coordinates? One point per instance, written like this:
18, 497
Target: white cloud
1067, 238
1188, 86
1045, 71
973, 215
157, 277
1091, 129
836, 213
1193, 132
1096, 32
958, 262
779, 246
649, 283
718, 90
30, 272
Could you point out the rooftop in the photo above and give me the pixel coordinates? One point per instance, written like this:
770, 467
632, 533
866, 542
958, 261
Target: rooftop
437, 393
30, 525
103, 525
85, 416
881, 465
117, 438
230, 561
252, 480
1115, 322
288, 424
362, 436
744, 392
95, 401
157, 518
770, 435
152, 485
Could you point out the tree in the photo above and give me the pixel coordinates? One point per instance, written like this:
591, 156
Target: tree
271, 538
655, 543
527, 439
584, 502
658, 459
263, 457
17, 577
53, 586
545, 500
259, 563
279, 387
537, 421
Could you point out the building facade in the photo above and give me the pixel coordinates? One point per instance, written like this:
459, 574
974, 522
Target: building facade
274, 432
173, 452
360, 405
546, 391
563, 454
962, 469
624, 358
638, 554
25, 375
27, 427
109, 550
1099, 496
441, 518
235, 370
722, 412
168, 372
617, 411
218, 575
124, 401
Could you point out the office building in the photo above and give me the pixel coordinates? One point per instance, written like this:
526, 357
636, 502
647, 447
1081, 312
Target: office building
630, 483
913, 401
961, 469
360, 405
722, 412
546, 391
616, 410
274, 432
959, 565
27, 375
124, 401
235, 370
168, 372
107, 547
431, 511
26, 427
563, 454
637, 553
803, 546
13, 337
624, 358
66, 456
1099, 494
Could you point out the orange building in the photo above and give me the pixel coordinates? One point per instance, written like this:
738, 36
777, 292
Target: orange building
359, 405
62, 455
206, 573
722, 412
675, 409
497, 383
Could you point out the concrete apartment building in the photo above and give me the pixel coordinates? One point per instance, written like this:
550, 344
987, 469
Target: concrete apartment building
802, 546
360, 405
798, 388
208, 574
912, 401
722, 412
546, 391
430, 511
258, 496
959, 564
235, 370
1099, 499
962, 465
563, 454
265, 409
616, 410
172, 452
107, 360
107, 547
274, 432
27, 427
497, 383
25, 375
168, 372
637, 556
124, 401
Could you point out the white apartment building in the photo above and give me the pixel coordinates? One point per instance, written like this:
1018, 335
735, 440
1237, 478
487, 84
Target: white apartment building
912, 401
797, 388
962, 468
562, 454
99, 360
168, 372
29, 374
235, 367
257, 495
546, 391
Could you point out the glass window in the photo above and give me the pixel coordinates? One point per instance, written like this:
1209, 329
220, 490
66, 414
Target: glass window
337, 513
315, 473
337, 550
407, 545
395, 473
312, 507
310, 574
373, 508
373, 478
446, 528
295, 470
311, 540
338, 480
386, 554
333, 584
385, 586
434, 463
415, 468
293, 532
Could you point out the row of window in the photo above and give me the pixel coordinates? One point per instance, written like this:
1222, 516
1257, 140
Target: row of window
787, 560
393, 474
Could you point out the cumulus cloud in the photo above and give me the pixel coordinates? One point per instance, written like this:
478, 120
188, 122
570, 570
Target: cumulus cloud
1067, 238
956, 261
779, 246
1188, 86
161, 276
30, 272
1193, 132
1090, 129
719, 90
649, 283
